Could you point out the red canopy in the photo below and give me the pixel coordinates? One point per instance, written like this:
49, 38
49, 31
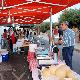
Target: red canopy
31, 11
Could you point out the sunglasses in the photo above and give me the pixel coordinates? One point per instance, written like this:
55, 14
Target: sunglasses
61, 24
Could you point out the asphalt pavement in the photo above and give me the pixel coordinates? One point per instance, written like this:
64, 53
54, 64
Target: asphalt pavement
76, 61
15, 69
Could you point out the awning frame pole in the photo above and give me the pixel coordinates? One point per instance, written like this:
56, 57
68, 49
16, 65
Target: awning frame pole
51, 22
51, 35
2, 4
13, 21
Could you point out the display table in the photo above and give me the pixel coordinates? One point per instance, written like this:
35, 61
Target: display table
36, 66
21, 44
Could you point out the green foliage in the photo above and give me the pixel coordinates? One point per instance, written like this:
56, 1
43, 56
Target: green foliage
71, 15
46, 26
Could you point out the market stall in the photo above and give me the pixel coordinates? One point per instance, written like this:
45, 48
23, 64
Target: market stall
45, 66
31, 11
35, 12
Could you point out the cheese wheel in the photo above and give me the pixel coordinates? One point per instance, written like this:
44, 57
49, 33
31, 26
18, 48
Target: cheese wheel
53, 69
61, 72
71, 75
45, 72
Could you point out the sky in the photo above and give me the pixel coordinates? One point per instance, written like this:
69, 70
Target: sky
56, 16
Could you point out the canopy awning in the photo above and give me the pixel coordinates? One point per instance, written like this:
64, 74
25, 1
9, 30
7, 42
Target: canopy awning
31, 11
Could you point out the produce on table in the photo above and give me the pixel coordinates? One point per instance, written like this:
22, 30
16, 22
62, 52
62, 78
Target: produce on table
52, 69
60, 71
45, 72
71, 75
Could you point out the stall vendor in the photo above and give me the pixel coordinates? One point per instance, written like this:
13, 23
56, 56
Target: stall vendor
68, 42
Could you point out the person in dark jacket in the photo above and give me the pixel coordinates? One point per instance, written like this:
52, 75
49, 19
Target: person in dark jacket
60, 31
27, 33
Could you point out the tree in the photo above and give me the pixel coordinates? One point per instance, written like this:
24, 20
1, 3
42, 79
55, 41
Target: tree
72, 16
46, 26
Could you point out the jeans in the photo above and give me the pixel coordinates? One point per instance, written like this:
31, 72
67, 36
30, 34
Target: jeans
67, 53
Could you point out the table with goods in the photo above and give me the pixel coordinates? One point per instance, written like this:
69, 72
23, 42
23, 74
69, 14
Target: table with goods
46, 65
21, 44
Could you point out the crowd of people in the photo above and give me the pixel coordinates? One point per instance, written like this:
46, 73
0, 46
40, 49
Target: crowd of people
66, 39
11, 36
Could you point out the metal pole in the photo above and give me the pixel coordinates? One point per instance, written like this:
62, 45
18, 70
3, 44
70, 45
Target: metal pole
13, 22
51, 29
2, 4
51, 22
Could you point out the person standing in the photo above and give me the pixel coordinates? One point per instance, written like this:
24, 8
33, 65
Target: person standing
55, 30
10, 44
5, 38
20, 34
24, 33
27, 34
68, 43
30, 36
13, 37
60, 31
79, 37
